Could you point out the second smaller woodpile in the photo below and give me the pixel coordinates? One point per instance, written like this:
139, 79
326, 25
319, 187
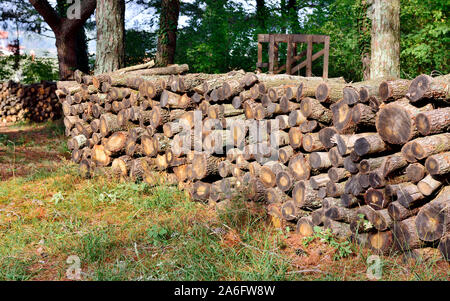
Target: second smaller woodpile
36, 102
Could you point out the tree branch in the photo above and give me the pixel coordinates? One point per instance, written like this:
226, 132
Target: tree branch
48, 13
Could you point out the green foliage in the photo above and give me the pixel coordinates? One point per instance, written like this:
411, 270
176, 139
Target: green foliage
38, 70
342, 248
138, 46
6, 70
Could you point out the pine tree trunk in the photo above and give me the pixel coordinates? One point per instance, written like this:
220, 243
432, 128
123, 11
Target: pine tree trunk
385, 57
167, 39
110, 19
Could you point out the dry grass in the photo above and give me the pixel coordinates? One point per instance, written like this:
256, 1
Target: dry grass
129, 231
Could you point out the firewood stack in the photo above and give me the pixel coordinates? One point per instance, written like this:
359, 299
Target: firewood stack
369, 160
36, 102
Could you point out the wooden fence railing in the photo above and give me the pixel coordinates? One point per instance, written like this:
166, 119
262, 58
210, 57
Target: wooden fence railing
292, 57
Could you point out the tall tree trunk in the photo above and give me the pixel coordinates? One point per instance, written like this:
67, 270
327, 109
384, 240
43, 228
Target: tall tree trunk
110, 19
385, 45
292, 9
167, 40
69, 33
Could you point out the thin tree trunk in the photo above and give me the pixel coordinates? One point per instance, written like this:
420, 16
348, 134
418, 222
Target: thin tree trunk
110, 19
167, 40
385, 58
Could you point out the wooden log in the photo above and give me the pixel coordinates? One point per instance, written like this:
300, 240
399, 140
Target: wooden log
121, 166
200, 191
100, 156
391, 90
295, 137
371, 164
335, 189
349, 201
341, 214
255, 190
444, 247
370, 145
116, 143
398, 213
317, 217
299, 167
433, 220
405, 235
318, 181
291, 212
305, 226
311, 108
304, 196
415, 172
337, 174
285, 181
341, 230
350, 165
429, 184
285, 153
268, 172
204, 165
326, 135
312, 143
431, 145
393, 163
424, 86
342, 117
319, 160
363, 116
275, 195
438, 164
335, 157
409, 196
434, 121
328, 92
396, 121
381, 242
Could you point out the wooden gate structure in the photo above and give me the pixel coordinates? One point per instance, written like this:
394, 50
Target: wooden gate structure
292, 56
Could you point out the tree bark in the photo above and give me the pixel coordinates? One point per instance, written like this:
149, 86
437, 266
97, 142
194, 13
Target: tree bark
385, 45
167, 40
110, 19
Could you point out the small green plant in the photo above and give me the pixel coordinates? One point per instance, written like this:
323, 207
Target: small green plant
343, 248
57, 197
158, 235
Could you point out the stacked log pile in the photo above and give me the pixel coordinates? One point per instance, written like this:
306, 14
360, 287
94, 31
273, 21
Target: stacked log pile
37, 102
368, 160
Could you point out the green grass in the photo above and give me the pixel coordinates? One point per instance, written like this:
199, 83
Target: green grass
131, 231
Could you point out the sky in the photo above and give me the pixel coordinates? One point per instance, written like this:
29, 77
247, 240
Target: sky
135, 16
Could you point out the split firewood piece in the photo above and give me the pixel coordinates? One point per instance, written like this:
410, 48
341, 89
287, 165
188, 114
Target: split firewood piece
313, 109
299, 167
341, 214
381, 242
444, 246
335, 157
318, 181
430, 145
415, 172
433, 220
396, 121
370, 144
429, 184
305, 197
305, 226
391, 90
424, 86
204, 165
329, 92
438, 164
341, 230
398, 213
291, 212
